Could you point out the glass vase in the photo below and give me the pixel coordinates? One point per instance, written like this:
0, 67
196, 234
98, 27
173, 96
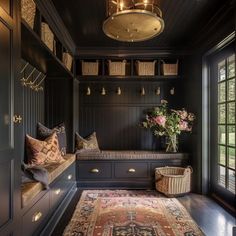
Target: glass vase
172, 143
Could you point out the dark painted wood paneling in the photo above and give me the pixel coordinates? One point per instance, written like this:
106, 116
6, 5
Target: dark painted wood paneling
5, 187
59, 105
116, 119
33, 102
10, 104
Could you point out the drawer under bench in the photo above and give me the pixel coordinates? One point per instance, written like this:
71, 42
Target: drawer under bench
36, 215
126, 173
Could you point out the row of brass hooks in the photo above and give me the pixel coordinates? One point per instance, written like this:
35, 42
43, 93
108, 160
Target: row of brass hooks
34, 84
119, 92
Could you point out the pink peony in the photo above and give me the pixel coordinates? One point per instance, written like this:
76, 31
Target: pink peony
183, 125
191, 117
160, 120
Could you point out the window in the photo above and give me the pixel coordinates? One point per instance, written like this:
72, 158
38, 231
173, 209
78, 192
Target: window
226, 123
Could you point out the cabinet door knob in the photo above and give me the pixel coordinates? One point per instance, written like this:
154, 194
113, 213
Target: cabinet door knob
94, 170
69, 177
17, 119
58, 191
36, 216
131, 170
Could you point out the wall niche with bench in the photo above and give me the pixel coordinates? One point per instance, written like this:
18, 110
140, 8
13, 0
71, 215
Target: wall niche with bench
46, 62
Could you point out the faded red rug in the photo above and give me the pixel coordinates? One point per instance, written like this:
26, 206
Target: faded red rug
129, 213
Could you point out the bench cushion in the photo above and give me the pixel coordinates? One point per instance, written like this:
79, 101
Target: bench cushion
31, 189
126, 155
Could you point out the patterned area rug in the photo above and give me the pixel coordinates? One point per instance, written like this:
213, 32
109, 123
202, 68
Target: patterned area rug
129, 213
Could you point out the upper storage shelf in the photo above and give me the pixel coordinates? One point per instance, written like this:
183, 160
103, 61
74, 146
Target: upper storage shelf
50, 58
131, 69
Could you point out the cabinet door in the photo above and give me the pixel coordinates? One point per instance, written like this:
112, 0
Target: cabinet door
10, 105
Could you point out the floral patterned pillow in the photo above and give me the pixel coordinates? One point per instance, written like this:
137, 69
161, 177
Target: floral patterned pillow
89, 143
43, 132
43, 152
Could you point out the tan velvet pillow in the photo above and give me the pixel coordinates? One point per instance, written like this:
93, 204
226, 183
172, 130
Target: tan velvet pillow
43, 152
89, 143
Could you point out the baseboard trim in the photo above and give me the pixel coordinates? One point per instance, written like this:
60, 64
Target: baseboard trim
57, 214
229, 208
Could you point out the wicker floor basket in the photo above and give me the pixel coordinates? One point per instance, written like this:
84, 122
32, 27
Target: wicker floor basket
28, 10
173, 181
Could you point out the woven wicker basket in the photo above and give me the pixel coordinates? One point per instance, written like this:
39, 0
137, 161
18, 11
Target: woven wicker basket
173, 181
170, 69
67, 60
90, 68
116, 67
47, 35
28, 10
145, 68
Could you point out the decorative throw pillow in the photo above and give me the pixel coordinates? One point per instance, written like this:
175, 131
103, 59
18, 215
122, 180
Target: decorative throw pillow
43, 152
43, 132
89, 143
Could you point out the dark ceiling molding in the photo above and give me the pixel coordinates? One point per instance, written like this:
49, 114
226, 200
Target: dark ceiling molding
223, 19
129, 52
53, 18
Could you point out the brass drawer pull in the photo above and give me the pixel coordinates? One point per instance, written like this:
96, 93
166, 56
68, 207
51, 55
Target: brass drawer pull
58, 191
131, 170
36, 216
69, 177
94, 170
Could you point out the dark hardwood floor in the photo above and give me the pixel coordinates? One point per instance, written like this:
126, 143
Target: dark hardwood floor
210, 216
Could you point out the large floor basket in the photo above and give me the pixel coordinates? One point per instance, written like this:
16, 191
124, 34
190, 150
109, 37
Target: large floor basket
173, 181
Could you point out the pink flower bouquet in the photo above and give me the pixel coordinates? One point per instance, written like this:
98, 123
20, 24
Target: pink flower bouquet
170, 123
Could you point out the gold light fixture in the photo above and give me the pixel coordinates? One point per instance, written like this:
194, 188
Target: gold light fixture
133, 20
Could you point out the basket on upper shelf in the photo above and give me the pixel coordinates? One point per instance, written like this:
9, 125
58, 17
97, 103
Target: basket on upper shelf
67, 59
28, 11
90, 68
117, 67
47, 35
170, 68
145, 68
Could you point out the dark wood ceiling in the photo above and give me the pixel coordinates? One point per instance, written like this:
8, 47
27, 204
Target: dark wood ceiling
183, 20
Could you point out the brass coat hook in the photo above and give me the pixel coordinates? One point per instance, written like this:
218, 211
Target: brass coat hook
172, 91
24, 81
88, 93
143, 91
158, 91
103, 91
31, 83
25, 66
36, 87
118, 92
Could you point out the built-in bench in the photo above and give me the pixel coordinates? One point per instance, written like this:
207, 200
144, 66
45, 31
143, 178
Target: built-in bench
123, 169
39, 205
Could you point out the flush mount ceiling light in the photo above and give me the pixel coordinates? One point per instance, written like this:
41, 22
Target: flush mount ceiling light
133, 20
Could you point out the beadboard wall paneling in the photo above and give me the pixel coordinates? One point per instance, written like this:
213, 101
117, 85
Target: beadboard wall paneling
33, 108
116, 118
59, 105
